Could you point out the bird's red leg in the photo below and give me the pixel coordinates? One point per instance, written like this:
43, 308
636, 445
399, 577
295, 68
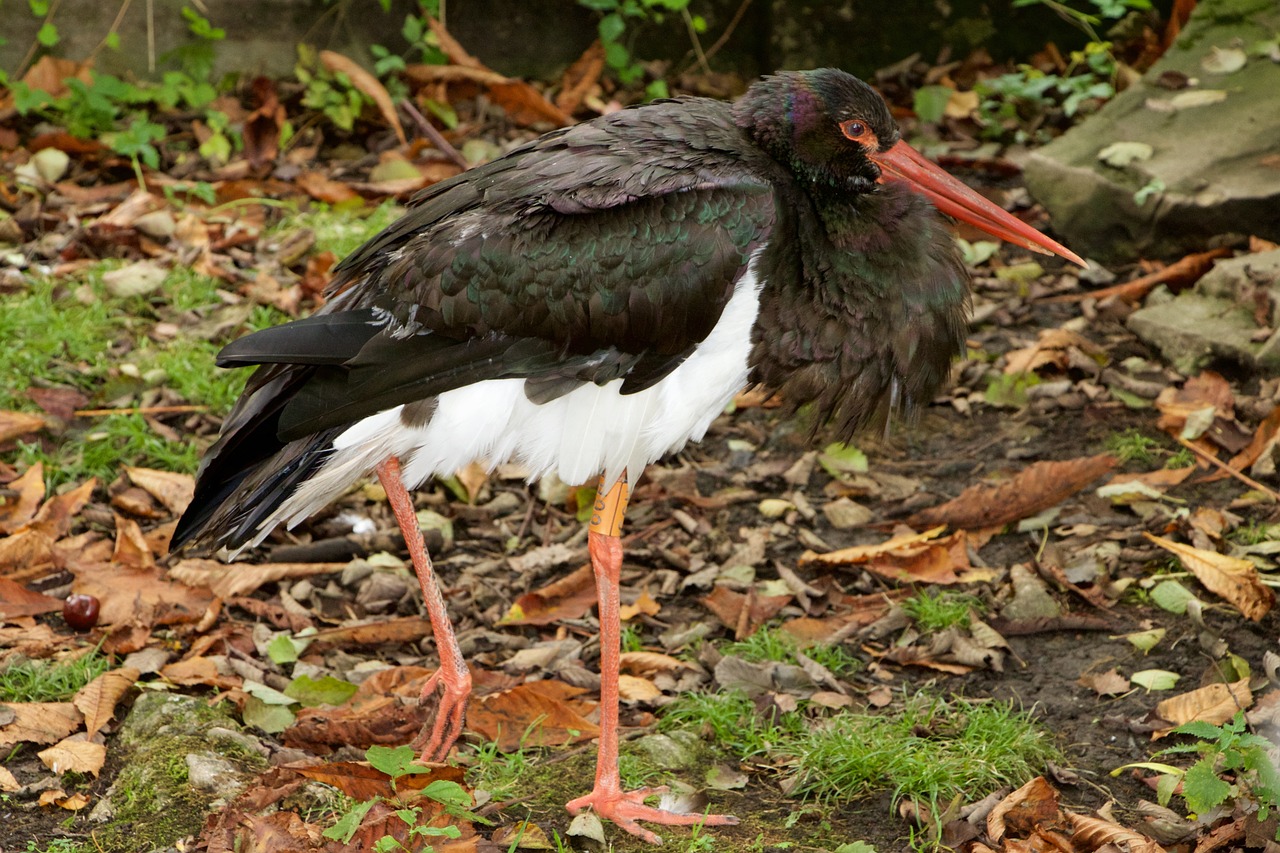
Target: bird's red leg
607, 798
435, 743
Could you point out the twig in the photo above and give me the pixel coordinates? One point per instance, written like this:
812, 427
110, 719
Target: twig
35, 45
139, 410
1183, 273
693, 37
728, 30
1239, 475
115, 25
430, 132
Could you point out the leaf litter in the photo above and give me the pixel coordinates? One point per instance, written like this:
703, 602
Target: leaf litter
991, 496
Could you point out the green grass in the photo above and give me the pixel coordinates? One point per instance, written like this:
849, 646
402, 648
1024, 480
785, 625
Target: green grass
773, 644
49, 681
732, 721
932, 750
936, 611
340, 229
1132, 446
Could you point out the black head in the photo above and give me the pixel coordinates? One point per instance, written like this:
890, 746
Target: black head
822, 124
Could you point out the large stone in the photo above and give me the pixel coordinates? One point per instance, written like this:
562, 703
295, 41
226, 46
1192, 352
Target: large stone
1218, 163
1215, 321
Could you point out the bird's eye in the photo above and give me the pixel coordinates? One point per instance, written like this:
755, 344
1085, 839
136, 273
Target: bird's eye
857, 131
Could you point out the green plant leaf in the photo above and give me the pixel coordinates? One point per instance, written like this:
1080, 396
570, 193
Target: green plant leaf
1155, 679
612, 27
930, 103
1172, 596
447, 793
47, 35
1202, 789
395, 761
322, 691
347, 825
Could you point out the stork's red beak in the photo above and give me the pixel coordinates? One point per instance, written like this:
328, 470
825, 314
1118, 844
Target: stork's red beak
904, 163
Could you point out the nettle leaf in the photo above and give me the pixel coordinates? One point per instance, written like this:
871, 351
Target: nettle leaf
395, 762
448, 794
1202, 789
347, 825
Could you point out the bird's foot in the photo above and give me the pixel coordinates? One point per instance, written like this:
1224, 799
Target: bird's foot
450, 712
624, 808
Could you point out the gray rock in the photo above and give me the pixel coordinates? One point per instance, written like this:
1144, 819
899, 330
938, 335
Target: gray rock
1031, 598
1215, 320
216, 776
675, 751
1211, 159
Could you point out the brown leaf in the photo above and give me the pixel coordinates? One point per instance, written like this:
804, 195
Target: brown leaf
8, 782
1022, 811
527, 106
368, 84
97, 700
937, 562
138, 596
131, 548
360, 781
1034, 488
743, 613
229, 581
580, 78
261, 130
407, 629
1232, 578
1109, 683
1214, 704
172, 489
1207, 390
74, 756
906, 543
473, 479
569, 597
39, 722
1095, 834
1264, 437
321, 187
643, 604
649, 663
537, 713
198, 670
1053, 348
16, 601
632, 688
18, 510
49, 74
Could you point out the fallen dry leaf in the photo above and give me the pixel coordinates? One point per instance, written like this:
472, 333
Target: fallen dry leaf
903, 542
360, 781
74, 756
97, 700
367, 84
644, 603
17, 424
937, 562
1233, 578
1094, 834
8, 782
1214, 703
18, 510
1053, 348
172, 489
1023, 810
198, 670
568, 597
39, 722
743, 613
1036, 487
1109, 683
234, 579
138, 596
649, 663
632, 688
16, 601
538, 713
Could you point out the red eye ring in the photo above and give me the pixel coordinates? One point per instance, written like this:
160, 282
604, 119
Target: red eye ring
856, 130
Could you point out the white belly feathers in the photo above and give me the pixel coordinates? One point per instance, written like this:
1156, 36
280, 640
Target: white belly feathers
593, 429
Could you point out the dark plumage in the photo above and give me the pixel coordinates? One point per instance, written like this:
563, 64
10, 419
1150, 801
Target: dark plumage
589, 302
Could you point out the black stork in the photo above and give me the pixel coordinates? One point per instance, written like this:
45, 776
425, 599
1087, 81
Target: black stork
590, 302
